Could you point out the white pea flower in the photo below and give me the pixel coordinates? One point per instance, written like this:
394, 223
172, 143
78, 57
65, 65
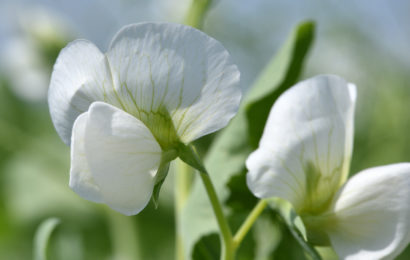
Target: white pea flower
130, 111
304, 156
38, 35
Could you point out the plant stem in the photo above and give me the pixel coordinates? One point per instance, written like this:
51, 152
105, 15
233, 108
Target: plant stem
196, 13
228, 251
124, 236
250, 220
183, 180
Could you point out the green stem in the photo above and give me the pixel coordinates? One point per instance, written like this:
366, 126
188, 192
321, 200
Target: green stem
196, 13
123, 234
184, 176
183, 180
250, 220
228, 251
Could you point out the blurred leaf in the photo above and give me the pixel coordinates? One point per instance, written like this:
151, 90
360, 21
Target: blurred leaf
278, 76
226, 158
240, 199
37, 186
208, 248
267, 234
288, 247
42, 238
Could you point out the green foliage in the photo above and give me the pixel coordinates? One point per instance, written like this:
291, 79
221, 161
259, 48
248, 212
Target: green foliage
240, 199
34, 166
42, 238
226, 157
279, 75
208, 248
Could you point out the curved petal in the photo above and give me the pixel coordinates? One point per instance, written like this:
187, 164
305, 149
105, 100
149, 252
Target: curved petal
305, 150
123, 157
78, 78
162, 65
81, 180
372, 214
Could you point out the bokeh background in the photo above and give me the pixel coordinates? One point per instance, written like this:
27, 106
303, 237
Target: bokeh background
367, 42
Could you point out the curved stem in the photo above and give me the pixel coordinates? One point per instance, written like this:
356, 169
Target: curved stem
228, 251
250, 220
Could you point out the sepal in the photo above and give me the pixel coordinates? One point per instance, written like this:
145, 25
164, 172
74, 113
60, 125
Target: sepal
162, 173
295, 225
187, 154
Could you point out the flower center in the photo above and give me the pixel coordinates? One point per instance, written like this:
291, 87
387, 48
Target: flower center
161, 126
320, 190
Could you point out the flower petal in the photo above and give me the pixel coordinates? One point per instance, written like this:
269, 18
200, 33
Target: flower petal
157, 65
81, 180
123, 157
305, 150
372, 214
78, 79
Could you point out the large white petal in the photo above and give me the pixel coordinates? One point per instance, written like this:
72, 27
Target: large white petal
179, 68
305, 150
78, 79
372, 214
123, 157
81, 180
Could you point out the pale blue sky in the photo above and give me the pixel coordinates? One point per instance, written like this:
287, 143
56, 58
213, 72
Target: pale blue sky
251, 30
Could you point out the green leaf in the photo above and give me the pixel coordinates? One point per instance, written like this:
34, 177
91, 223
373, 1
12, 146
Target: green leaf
276, 78
240, 198
226, 157
267, 234
42, 237
208, 248
288, 247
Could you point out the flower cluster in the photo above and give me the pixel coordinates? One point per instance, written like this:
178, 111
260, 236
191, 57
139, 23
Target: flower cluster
129, 112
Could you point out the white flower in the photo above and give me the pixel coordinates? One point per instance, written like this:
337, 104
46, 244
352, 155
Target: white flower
27, 56
159, 87
304, 157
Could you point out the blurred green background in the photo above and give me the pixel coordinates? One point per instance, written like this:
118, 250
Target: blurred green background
366, 42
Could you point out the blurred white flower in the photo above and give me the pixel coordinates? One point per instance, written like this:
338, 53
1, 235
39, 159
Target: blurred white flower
25, 70
304, 157
28, 55
159, 87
